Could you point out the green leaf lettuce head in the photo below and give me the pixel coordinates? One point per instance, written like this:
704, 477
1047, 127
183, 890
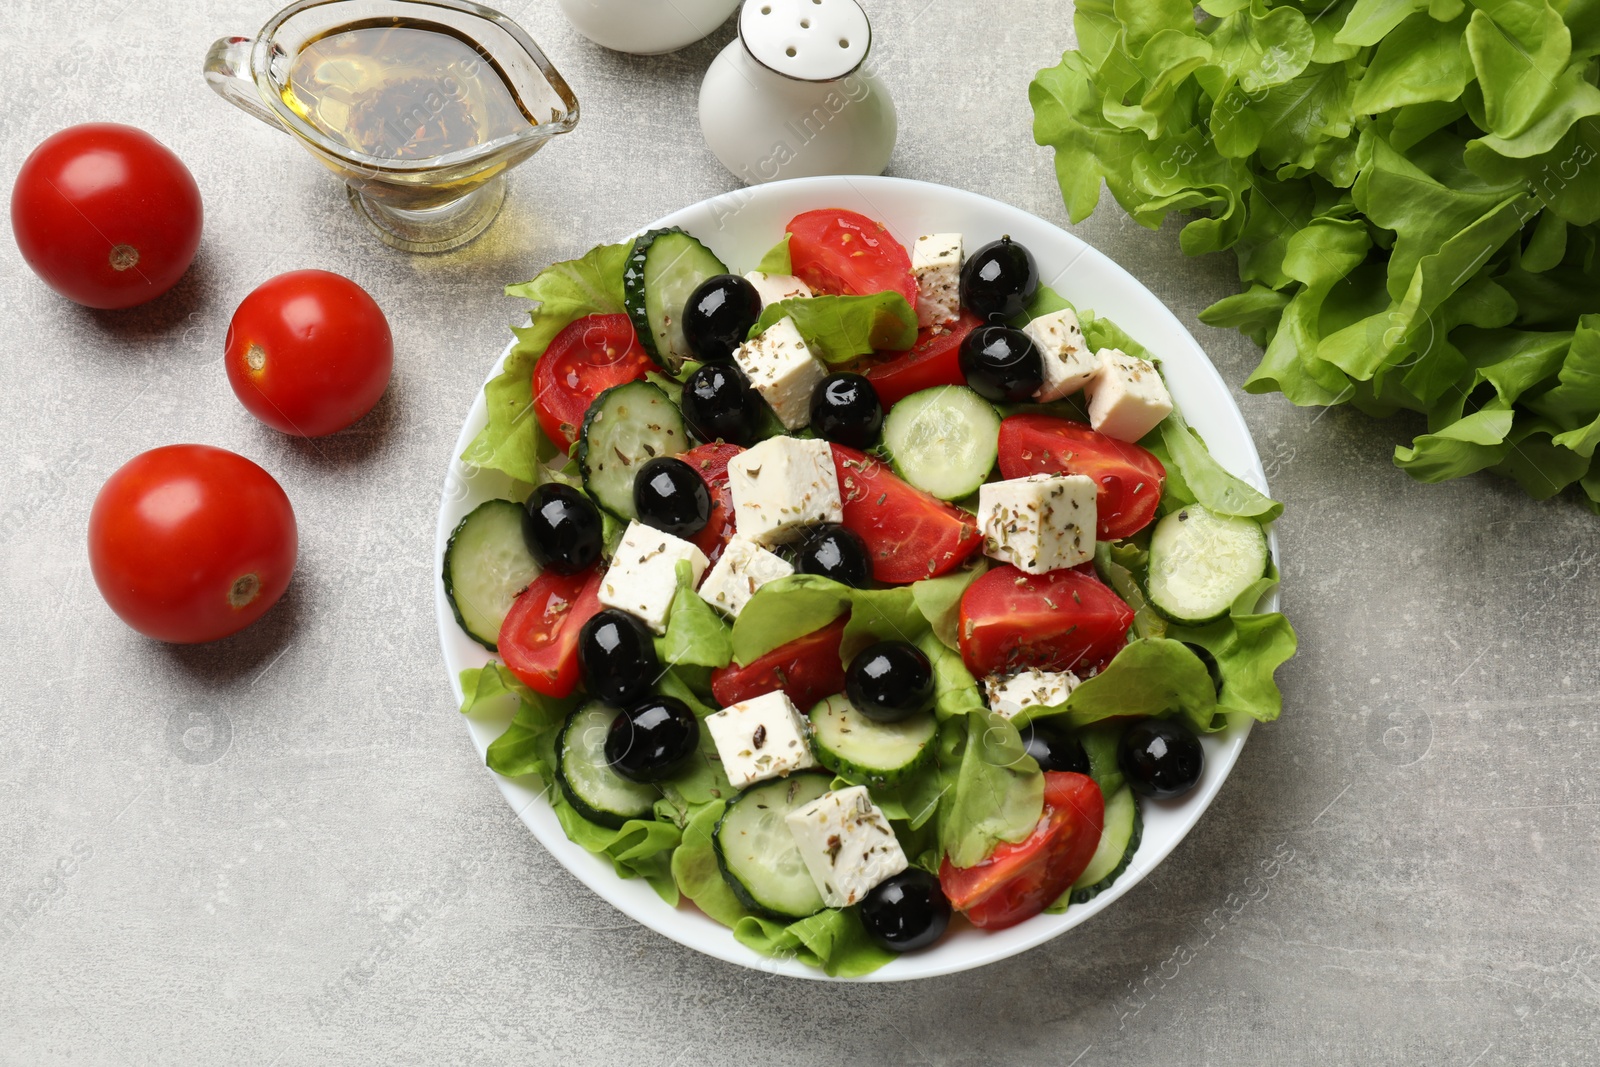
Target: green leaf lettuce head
1407, 188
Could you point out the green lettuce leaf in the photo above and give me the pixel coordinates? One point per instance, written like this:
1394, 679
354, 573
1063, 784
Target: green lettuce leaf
696, 635
591, 285
777, 260
841, 328
789, 608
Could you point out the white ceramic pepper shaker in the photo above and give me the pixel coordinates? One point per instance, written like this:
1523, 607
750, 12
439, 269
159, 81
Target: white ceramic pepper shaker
795, 95
647, 27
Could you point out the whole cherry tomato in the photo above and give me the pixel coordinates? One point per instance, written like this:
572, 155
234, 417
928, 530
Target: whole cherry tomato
190, 543
106, 215
309, 352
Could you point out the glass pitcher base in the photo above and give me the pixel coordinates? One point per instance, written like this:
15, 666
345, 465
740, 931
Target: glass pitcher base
439, 229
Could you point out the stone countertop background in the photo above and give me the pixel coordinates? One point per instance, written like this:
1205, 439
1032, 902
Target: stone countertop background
282, 849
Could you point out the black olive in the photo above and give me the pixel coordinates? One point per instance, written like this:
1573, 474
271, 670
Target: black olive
653, 739
999, 280
561, 527
835, 552
845, 408
1161, 757
1213, 668
1054, 749
890, 681
719, 404
1001, 364
670, 496
906, 911
618, 656
718, 315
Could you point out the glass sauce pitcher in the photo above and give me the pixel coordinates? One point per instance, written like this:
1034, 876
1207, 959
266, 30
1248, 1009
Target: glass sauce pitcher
420, 106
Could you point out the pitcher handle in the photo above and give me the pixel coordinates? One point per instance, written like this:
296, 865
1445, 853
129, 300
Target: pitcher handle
228, 73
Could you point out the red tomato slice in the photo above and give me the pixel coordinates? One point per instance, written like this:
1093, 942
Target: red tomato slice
840, 252
910, 535
590, 356
539, 639
1019, 881
1057, 622
711, 463
933, 360
1129, 477
807, 669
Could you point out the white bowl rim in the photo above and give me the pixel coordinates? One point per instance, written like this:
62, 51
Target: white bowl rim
1192, 377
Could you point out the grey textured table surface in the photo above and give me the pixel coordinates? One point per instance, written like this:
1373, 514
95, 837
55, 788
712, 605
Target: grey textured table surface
282, 849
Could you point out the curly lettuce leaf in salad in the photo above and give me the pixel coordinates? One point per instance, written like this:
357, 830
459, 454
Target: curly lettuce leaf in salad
1405, 189
842, 328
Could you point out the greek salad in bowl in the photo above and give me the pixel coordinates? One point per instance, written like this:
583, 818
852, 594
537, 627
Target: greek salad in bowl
865, 592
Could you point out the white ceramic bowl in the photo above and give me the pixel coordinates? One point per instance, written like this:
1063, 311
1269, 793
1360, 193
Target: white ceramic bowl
647, 27
739, 227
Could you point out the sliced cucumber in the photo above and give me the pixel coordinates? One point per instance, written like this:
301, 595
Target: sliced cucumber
866, 752
757, 853
598, 793
664, 268
486, 564
944, 440
1200, 562
626, 425
1119, 840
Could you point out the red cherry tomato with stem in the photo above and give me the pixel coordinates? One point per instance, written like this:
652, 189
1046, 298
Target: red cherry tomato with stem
590, 356
191, 543
309, 352
106, 215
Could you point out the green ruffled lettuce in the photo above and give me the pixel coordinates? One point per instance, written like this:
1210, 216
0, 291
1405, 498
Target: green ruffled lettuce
1405, 185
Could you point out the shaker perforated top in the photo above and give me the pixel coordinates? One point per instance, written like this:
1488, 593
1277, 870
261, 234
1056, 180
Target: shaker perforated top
811, 40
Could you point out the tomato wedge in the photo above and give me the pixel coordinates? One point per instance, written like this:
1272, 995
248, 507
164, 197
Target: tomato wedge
807, 669
1018, 881
840, 252
910, 534
1057, 622
1130, 478
711, 463
539, 638
584, 360
933, 360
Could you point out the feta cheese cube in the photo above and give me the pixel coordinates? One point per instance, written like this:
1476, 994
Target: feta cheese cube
1127, 397
643, 576
1032, 688
847, 844
1068, 363
743, 568
781, 486
775, 287
1039, 523
760, 738
780, 366
936, 265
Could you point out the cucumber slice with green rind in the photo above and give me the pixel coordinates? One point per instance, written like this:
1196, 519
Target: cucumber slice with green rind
1200, 562
664, 268
597, 792
1119, 840
625, 426
868, 752
943, 440
757, 854
486, 564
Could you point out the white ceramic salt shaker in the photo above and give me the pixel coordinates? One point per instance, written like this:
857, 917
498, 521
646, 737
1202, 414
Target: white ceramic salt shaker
795, 96
647, 27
